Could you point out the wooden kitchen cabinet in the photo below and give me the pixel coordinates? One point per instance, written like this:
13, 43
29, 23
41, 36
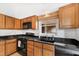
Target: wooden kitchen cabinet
30, 48
2, 21
37, 49
32, 20
17, 24
69, 16
2, 47
48, 50
10, 22
11, 46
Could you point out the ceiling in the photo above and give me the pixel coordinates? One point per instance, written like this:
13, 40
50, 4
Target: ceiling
22, 10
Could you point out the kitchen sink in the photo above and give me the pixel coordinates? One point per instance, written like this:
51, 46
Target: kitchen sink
47, 39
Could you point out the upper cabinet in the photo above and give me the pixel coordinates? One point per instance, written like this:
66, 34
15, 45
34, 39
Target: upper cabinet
52, 15
7, 22
2, 21
10, 22
17, 23
34, 21
29, 22
69, 16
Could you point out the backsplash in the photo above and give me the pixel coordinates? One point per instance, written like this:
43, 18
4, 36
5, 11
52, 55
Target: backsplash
15, 32
64, 33
71, 33
10, 32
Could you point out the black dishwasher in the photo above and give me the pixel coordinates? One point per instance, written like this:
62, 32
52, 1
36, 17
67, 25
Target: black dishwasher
22, 45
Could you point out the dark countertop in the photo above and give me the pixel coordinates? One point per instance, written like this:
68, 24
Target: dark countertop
22, 36
36, 38
8, 36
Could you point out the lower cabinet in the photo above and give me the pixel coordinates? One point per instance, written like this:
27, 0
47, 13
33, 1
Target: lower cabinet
30, 48
2, 47
48, 50
35, 48
37, 51
8, 46
11, 46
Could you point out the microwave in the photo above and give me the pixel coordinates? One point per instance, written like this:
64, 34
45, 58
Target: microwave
27, 25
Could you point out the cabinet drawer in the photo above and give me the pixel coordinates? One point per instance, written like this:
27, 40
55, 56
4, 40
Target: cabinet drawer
38, 44
29, 42
47, 46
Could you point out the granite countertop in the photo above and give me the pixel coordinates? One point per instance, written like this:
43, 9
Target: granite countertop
38, 40
35, 38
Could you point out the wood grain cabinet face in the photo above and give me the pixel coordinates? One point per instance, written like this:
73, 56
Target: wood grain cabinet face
30, 47
2, 47
48, 50
37, 49
47, 53
17, 24
2, 21
10, 22
11, 46
32, 19
68, 16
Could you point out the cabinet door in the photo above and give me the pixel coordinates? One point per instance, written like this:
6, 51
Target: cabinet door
30, 48
34, 22
67, 16
32, 19
37, 48
2, 47
2, 21
11, 46
17, 24
10, 22
48, 50
37, 51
